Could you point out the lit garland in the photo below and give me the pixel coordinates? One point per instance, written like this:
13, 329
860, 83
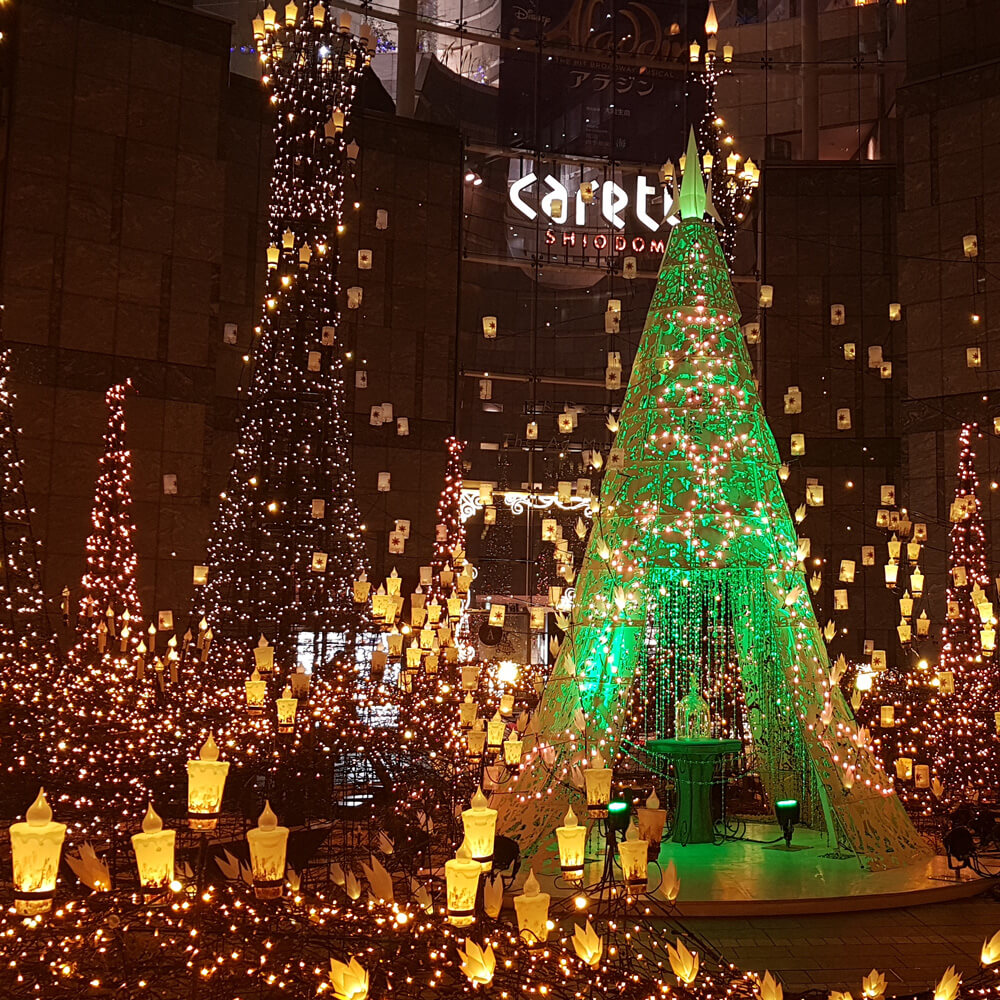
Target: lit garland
962, 746
287, 541
27, 642
693, 530
109, 598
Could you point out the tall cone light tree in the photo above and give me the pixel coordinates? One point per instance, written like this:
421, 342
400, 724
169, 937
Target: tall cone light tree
961, 739
109, 581
287, 541
692, 576
26, 635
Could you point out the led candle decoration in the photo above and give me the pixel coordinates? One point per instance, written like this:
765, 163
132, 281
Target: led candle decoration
35, 847
494, 732
598, 785
287, 707
480, 822
476, 740
154, 856
256, 693
467, 712
268, 845
470, 677
461, 876
263, 655
572, 840
652, 820
532, 910
506, 704
206, 783
633, 851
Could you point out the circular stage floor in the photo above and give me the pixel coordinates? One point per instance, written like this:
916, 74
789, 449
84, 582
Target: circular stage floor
742, 878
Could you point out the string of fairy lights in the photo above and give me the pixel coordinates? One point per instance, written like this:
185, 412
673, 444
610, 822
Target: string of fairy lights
217, 823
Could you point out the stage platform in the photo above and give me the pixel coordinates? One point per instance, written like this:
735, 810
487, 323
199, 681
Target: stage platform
741, 878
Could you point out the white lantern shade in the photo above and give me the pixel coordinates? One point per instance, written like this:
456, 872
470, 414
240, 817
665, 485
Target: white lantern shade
287, 707
512, 749
598, 784
467, 712
256, 690
264, 658
475, 743
268, 844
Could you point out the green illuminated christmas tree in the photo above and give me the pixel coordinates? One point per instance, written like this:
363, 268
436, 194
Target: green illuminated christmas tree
692, 574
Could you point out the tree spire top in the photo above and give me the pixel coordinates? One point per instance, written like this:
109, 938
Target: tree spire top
693, 199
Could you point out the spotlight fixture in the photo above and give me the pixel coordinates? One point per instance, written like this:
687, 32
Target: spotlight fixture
788, 814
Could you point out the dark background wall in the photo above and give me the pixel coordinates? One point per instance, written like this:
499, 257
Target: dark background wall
135, 177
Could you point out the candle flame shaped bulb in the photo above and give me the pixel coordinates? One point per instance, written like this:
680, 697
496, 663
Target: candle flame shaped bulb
151, 822
653, 802
268, 820
209, 749
39, 812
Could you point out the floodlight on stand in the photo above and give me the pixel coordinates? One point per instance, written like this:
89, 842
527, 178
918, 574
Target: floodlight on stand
788, 814
619, 814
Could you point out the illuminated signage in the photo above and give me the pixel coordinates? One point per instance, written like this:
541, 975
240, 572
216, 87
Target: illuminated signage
607, 203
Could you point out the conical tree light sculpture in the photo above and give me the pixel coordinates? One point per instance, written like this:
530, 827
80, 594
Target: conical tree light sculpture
693, 554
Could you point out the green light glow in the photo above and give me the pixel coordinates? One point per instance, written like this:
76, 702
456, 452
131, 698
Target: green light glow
693, 573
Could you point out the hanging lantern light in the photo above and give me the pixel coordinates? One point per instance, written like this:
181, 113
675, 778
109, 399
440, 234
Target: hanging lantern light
906, 605
256, 693
894, 546
891, 574
633, 852
206, 783
268, 844
467, 712
480, 822
154, 856
532, 910
476, 740
988, 640
904, 768
572, 840
470, 677
923, 624
512, 749
461, 875
495, 732
597, 780
506, 704
35, 847
916, 582
287, 707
